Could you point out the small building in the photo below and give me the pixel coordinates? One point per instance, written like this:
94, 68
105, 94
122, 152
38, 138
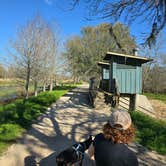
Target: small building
122, 74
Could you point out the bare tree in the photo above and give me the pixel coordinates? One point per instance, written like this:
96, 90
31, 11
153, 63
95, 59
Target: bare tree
50, 57
3, 71
151, 11
23, 53
34, 49
154, 73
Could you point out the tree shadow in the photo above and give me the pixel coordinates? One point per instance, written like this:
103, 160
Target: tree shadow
84, 122
30, 161
57, 141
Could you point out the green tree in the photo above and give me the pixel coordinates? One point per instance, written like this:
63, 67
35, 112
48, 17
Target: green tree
74, 56
84, 51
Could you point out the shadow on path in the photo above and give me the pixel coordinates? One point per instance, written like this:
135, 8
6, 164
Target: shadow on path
69, 120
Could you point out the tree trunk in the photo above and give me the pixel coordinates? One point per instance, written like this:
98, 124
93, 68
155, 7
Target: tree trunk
75, 80
51, 85
44, 87
132, 104
35, 88
78, 80
27, 82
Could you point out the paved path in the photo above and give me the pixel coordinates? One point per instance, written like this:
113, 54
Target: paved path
70, 119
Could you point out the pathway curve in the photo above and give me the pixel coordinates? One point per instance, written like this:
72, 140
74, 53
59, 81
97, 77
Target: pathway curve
70, 119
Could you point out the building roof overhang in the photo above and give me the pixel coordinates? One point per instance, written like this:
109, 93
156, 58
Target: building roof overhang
109, 55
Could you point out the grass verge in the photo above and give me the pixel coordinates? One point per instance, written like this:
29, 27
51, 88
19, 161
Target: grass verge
18, 116
156, 96
151, 133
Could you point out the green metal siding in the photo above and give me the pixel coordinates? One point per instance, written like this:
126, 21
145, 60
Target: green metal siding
129, 78
137, 80
140, 79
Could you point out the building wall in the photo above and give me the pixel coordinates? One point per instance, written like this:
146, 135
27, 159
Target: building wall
128, 77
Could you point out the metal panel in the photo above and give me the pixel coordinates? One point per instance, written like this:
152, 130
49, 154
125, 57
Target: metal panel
137, 80
140, 79
132, 80
128, 88
129, 79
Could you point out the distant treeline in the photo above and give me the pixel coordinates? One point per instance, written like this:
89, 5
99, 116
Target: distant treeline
154, 79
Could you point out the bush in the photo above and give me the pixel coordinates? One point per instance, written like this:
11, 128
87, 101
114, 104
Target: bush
32, 111
19, 115
9, 132
151, 133
44, 99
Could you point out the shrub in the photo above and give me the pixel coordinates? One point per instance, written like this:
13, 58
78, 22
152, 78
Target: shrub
44, 99
9, 132
32, 111
20, 114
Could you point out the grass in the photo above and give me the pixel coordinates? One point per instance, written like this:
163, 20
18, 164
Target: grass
9, 88
151, 133
17, 117
156, 96
8, 82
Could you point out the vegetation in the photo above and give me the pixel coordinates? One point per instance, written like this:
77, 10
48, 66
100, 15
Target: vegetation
151, 133
154, 78
90, 47
8, 82
156, 96
34, 51
10, 89
2, 71
18, 116
7, 91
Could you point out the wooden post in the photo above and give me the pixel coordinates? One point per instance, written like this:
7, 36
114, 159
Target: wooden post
132, 105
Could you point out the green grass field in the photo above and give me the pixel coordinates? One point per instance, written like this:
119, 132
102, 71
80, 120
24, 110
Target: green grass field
161, 97
18, 116
151, 133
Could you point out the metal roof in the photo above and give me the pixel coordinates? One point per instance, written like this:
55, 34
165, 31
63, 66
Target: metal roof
103, 63
109, 54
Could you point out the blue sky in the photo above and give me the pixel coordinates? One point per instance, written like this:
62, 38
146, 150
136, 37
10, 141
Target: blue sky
15, 13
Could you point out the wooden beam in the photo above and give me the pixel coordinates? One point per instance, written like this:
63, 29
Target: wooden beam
132, 104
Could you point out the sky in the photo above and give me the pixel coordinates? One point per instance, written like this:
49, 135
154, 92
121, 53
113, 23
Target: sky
15, 13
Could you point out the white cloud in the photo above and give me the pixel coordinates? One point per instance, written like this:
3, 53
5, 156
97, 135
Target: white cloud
48, 2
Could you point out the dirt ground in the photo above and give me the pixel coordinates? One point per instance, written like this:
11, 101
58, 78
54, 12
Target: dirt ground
69, 120
160, 109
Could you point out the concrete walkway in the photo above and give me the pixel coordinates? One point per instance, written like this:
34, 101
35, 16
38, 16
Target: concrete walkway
142, 104
69, 120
